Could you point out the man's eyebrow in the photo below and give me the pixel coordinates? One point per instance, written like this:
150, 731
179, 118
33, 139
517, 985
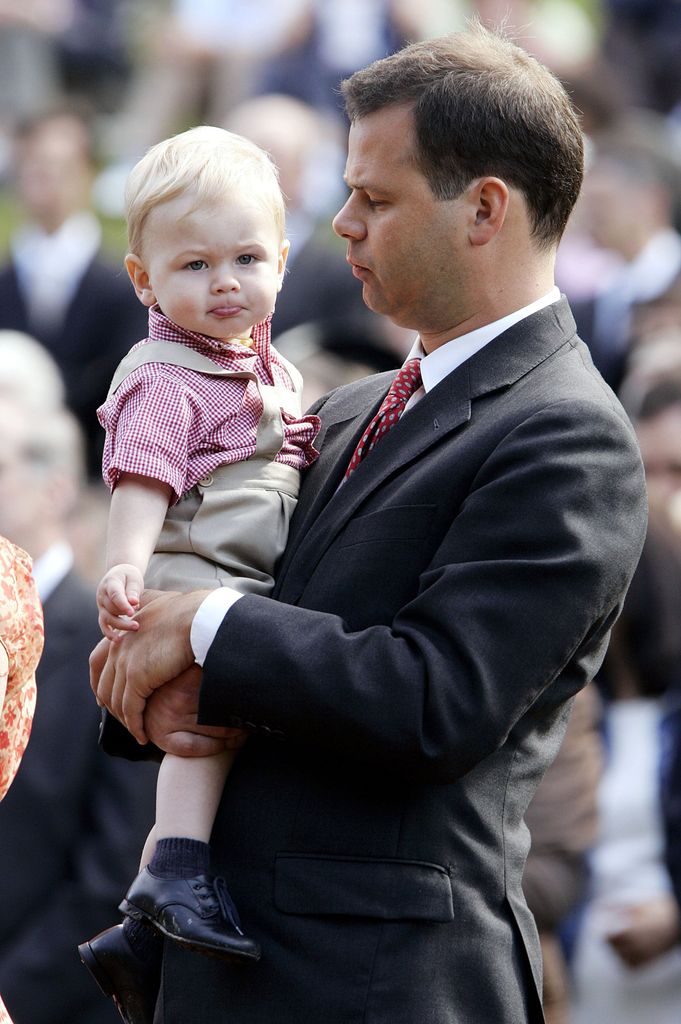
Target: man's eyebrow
365, 186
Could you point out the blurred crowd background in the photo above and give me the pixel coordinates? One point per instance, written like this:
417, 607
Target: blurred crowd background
86, 86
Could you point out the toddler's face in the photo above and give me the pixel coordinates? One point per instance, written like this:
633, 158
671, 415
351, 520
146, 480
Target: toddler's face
213, 268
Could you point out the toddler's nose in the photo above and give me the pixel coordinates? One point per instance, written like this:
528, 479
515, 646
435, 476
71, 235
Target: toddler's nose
226, 281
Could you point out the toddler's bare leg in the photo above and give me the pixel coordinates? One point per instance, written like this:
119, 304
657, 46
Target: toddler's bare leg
188, 794
175, 893
149, 847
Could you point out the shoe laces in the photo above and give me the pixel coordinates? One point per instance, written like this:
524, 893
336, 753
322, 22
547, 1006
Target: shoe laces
226, 904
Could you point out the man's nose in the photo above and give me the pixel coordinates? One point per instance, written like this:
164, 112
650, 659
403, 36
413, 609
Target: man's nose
346, 223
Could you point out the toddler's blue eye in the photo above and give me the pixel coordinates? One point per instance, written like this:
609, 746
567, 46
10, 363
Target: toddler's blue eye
196, 265
245, 260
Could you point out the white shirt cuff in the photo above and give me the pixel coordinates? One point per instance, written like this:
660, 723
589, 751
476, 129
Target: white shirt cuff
208, 620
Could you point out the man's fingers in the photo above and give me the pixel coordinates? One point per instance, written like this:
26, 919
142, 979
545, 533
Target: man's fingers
97, 664
191, 744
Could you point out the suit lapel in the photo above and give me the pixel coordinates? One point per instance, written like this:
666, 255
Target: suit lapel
344, 416
325, 507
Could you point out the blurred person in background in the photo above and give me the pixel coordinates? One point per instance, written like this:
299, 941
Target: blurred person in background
658, 425
29, 73
29, 373
21, 641
93, 51
76, 818
58, 48
57, 286
562, 819
642, 43
629, 204
626, 962
335, 38
655, 352
198, 57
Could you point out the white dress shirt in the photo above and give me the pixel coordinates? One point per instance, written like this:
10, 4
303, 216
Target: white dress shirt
50, 266
51, 568
435, 366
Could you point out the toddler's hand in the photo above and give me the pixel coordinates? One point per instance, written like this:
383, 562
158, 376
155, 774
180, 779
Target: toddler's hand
118, 598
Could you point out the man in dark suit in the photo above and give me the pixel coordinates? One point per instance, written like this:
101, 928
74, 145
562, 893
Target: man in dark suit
57, 285
74, 822
437, 608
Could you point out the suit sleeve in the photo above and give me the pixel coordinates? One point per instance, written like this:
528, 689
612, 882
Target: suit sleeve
520, 594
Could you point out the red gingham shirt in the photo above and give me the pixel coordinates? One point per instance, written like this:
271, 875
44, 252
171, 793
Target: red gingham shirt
176, 425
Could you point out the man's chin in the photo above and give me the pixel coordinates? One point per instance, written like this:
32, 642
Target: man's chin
373, 299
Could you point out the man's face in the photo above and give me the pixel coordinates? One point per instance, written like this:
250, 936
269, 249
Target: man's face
408, 248
615, 203
53, 172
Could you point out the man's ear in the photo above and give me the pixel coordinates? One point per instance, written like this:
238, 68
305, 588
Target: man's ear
140, 279
491, 197
283, 256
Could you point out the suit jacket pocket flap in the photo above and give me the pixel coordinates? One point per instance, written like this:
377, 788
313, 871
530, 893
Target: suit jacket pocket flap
397, 523
388, 889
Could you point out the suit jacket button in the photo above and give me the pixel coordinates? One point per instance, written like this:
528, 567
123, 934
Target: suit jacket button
206, 480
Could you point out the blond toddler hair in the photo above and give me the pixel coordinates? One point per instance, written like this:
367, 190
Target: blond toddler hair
208, 161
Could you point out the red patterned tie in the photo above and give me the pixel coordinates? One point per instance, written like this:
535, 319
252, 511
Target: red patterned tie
407, 381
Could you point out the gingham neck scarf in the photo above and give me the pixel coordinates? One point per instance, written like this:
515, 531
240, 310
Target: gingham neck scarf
407, 381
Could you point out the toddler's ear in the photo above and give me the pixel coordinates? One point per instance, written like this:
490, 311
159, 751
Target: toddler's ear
283, 256
140, 279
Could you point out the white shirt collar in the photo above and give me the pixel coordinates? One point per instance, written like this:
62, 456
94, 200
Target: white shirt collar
436, 365
652, 270
50, 267
75, 241
51, 568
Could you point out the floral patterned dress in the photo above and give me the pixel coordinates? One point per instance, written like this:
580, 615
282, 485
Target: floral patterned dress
21, 636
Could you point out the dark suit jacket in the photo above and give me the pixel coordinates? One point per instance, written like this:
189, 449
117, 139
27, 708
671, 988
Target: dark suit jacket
103, 320
408, 689
72, 828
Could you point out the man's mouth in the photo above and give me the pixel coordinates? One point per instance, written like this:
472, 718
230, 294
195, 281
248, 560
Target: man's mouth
358, 269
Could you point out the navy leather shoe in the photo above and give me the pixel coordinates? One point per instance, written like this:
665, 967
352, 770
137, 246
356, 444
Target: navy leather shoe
197, 913
120, 974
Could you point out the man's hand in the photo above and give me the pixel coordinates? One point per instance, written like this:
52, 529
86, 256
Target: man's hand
652, 929
170, 720
125, 674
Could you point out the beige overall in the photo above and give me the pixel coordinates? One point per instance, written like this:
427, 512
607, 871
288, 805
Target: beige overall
231, 527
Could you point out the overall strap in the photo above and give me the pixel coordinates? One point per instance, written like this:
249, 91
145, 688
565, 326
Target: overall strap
176, 355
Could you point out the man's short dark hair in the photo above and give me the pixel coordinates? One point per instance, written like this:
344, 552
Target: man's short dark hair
482, 106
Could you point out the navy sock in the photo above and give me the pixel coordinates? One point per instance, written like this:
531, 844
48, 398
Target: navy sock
180, 858
146, 942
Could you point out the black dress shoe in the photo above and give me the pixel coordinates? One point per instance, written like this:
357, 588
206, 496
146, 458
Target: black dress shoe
121, 974
197, 913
